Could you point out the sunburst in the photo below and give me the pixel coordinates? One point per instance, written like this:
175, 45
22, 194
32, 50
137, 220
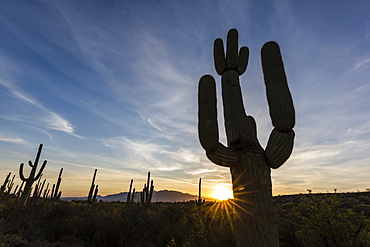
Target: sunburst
221, 193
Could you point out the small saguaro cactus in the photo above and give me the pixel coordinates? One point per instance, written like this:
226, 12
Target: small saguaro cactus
147, 194
36, 194
18, 190
4, 187
93, 190
46, 191
55, 193
130, 195
10, 185
255, 223
200, 202
32, 177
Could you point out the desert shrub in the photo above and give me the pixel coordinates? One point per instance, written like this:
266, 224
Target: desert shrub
288, 222
9, 240
324, 222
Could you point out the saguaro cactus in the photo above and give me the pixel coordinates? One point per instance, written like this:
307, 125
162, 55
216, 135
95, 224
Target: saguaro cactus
249, 163
200, 202
147, 194
93, 190
55, 193
4, 187
130, 196
32, 177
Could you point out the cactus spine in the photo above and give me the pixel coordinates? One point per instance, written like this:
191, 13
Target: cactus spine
249, 163
147, 194
32, 177
93, 190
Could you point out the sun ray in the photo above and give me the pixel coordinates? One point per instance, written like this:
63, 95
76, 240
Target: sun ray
240, 207
228, 214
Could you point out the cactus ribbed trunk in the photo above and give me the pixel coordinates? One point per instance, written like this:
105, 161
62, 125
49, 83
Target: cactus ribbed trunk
255, 221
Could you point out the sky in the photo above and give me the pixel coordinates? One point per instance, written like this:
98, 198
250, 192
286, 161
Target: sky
112, 85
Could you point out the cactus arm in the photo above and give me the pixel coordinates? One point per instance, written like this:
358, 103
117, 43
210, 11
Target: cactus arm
30, 164
41, 170
278, 95
208, 126
219, 56
21, 175
282, 113
243, 60
207, 113
38, 155
232, 56
279, 147
223, 156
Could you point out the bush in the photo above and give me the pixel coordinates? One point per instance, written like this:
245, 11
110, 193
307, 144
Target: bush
325, 222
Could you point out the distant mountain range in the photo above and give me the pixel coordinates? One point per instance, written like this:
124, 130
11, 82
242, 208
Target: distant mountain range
158, 196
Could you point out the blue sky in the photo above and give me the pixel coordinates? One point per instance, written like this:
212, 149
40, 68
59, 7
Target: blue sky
112, 85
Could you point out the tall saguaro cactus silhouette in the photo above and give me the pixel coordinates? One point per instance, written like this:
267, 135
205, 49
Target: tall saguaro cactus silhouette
32, 177
249, 163
147, 194
93, 190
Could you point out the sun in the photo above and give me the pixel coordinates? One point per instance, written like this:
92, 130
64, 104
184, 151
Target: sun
222, 192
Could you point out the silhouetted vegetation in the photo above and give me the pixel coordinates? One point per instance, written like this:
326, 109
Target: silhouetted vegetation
303, 220
338, 220
79, 223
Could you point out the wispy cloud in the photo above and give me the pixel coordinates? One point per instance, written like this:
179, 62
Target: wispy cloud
202, 171
143, 151
12, 140
363, 63
50, 119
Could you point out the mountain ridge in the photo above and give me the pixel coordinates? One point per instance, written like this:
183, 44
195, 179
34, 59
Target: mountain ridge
158, 196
